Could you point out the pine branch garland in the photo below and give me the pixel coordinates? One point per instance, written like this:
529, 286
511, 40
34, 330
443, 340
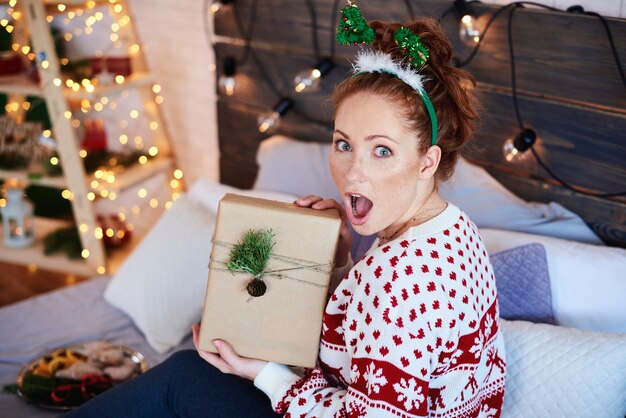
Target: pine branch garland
252, 253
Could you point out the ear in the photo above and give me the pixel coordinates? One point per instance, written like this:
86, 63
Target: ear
430, 162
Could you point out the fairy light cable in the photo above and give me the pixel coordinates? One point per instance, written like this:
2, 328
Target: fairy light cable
521, 123
253, 54
493, 17
313, 16
609, 35
332, 26
263, 72
248, 37
409, 9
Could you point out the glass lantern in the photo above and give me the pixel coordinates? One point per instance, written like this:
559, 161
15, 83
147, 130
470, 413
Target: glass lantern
17, 217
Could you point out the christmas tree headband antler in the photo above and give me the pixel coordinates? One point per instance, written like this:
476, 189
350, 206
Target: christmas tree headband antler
353, 29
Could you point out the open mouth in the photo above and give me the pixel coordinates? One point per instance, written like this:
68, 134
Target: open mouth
360, 207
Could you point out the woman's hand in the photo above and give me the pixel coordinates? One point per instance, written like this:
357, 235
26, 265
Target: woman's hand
345, 238
227, 361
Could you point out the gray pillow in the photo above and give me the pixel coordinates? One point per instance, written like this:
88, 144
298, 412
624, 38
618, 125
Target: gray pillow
523, 284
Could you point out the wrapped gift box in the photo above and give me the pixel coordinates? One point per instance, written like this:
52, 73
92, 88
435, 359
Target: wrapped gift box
284, 324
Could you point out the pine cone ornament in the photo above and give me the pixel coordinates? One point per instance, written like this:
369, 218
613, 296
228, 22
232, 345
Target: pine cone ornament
256, 287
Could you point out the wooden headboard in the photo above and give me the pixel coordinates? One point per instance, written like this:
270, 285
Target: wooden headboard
569, 91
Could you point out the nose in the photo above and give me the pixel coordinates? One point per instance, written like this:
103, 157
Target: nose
355, 171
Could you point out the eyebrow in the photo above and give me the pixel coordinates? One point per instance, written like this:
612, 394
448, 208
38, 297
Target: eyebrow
367, 138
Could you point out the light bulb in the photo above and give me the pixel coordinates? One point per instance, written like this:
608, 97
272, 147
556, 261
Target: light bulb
216, 5
269, 121
468, 31
309, 80
514, 149
227, 83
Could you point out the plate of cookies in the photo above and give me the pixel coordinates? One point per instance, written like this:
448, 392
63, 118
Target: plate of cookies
69, 376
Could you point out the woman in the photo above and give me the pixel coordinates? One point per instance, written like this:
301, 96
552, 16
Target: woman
412, 328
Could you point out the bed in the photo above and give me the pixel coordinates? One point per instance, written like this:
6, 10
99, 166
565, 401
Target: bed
566, 344
157, 294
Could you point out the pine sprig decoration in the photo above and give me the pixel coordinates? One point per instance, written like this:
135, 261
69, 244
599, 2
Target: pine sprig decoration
411, 46
353, 29
251, 255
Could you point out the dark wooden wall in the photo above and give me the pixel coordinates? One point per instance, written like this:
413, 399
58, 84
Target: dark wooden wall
569, 91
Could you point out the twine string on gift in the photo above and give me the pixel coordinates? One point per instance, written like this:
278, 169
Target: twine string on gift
299, 264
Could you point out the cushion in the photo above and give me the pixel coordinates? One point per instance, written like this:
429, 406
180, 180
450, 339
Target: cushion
490, 205
554, 371
161, 284
588, 283
523, 283
297, 167
209, 193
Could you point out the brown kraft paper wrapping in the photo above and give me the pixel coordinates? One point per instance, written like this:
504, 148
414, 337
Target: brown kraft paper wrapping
284, 324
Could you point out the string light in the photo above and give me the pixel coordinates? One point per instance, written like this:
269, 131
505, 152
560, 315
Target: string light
216, 5
514, 149
227, 82
268, 122
469, 32
309, 80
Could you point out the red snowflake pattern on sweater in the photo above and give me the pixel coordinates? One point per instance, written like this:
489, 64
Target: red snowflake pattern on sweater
412, 330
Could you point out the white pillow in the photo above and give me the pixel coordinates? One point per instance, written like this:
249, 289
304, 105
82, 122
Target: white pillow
554, 371
491, 205
161, 284
588, 282
209, 193
295, 167
298, 167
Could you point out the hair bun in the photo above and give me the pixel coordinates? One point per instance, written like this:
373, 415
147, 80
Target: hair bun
430, 33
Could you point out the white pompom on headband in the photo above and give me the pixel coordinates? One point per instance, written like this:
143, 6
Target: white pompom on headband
379, 62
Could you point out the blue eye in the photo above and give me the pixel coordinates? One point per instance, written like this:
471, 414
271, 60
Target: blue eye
342, 146
382, 152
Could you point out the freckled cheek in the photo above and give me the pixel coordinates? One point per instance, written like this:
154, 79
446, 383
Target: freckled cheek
337, 170
393, 187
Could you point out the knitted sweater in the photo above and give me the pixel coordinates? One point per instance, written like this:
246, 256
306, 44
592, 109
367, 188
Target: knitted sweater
411, 330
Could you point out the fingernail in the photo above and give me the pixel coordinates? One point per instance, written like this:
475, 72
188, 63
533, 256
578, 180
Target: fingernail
217, 343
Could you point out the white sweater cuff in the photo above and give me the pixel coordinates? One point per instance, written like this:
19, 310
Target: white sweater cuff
274, 380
